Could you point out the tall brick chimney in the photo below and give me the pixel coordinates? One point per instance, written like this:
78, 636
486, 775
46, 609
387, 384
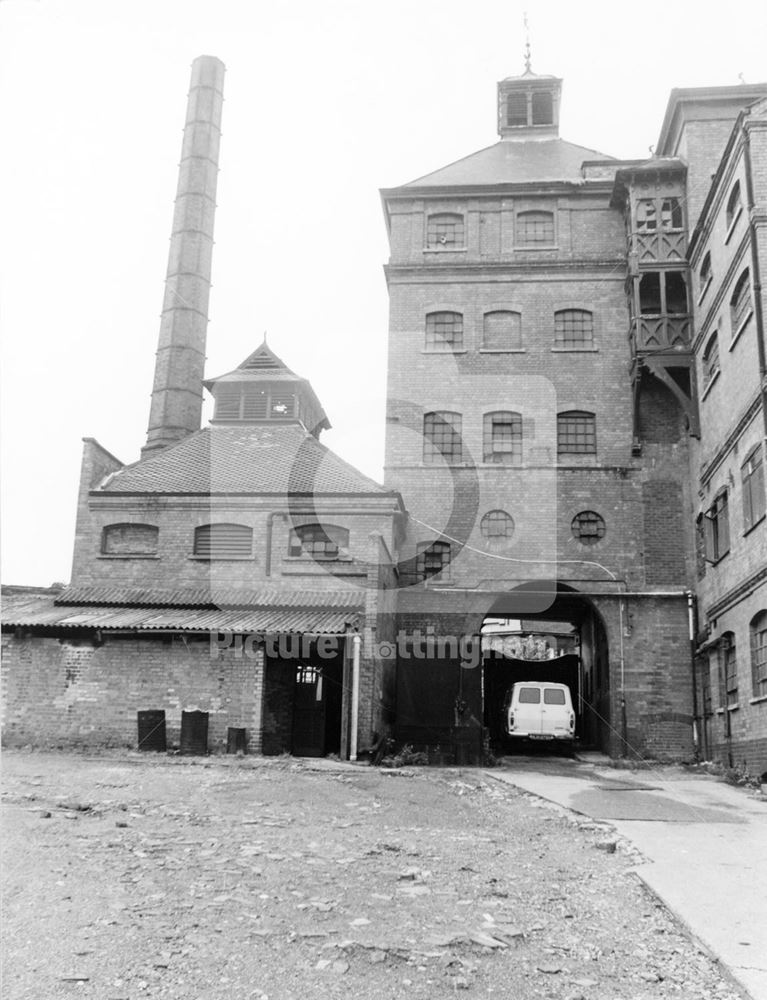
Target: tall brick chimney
176, 408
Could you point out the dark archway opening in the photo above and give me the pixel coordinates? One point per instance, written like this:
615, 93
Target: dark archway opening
565, 644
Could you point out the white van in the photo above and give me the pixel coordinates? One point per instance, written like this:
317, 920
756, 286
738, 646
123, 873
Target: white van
540, 710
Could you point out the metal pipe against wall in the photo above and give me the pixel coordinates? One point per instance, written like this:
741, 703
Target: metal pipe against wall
356, 644
176, 407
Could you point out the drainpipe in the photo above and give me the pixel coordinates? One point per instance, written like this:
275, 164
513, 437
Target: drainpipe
755, 272
356, 644
624, 722
695, 717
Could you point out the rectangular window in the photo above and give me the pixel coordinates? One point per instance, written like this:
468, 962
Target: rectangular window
553, 696
432, 559
711, 360
728, 671
442, 438
529, 696
573, 328
516, 110
752, 479
576, 433
444, 331
535, 229
445, 231
759, 654
320, 541
502, 438
717, 528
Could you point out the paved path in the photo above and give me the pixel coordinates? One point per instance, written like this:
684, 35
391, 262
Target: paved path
705, 843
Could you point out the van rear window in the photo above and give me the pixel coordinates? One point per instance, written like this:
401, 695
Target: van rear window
529, 696
553, 696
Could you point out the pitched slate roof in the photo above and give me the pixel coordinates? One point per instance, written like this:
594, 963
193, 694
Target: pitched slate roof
30, 611
514, 162
253, 458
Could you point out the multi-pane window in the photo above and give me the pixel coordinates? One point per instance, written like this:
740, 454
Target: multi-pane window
129, 539
497, 525
752, 480
740, 303
444, 331
535, 229
662, 292
442, 438
588, 527
445, 231
717, 528
711, 360
733, 204
706, 274
576, 433
223, 541
573, 328
728, 671
432, 558
648, 217
502, 331
759, 654
502, 438
320, 541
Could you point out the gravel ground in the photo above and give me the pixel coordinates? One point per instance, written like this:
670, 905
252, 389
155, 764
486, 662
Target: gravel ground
131, 876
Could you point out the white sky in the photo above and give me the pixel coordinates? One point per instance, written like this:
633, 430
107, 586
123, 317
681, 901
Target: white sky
325, 102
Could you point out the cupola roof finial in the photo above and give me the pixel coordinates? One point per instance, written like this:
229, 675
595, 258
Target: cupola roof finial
528, 57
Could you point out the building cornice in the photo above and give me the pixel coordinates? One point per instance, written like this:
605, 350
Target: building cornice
737, 593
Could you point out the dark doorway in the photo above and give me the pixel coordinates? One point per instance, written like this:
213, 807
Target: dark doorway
317, 709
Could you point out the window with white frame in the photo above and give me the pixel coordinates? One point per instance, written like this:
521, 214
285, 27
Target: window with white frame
758, 630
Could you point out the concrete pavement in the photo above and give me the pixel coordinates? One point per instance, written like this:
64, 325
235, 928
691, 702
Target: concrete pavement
705, 844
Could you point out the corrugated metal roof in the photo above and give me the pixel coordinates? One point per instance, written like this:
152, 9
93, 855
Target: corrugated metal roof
281, 459
42, 612
206, 597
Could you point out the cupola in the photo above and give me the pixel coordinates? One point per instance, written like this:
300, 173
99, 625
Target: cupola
264, 390
528, 106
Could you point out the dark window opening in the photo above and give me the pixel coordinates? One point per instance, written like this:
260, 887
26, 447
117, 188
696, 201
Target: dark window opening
649, 294
543, 108
576, 433
516, 110
647, 217
502, 330
444, 331
733, 204
740, 303
529, 696
442, 438
676, 293
717, 528
502, 438
671, 214
320, 541
553, 696
705, 274
432, 559
752, 479
758, 631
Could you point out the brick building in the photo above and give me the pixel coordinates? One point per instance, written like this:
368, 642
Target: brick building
574, 470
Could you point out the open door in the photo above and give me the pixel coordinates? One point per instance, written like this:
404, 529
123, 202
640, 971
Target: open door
309, 710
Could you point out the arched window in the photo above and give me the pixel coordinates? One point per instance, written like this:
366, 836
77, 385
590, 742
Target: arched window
444, 331
706, 274
442, 438
445, 231
728, 671
432, 558
497, 526
711, 360
502, 438
543, 107
535, 229
576, 433
573, 329
717, 527
740, 303
129, 539
502, 330
320, 541
733, 205
758, 630
223, 541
